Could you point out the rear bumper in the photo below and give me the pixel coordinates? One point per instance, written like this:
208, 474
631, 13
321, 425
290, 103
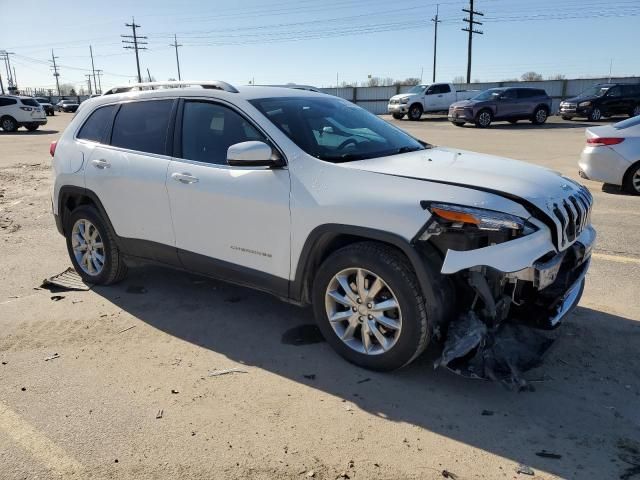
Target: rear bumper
35, 121
603, 164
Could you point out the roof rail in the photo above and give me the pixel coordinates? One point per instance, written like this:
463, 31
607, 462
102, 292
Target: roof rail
213, 84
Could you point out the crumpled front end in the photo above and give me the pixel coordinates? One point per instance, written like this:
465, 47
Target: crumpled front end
513, 279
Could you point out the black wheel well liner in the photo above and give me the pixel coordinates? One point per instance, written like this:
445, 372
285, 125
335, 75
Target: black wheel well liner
629, 171
418, 104
542, 105
71, 197
326, 239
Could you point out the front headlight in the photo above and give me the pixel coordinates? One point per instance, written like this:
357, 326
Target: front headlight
404, 100
456, 216
584, 104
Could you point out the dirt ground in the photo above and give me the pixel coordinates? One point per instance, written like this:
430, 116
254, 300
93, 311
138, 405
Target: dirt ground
143, 349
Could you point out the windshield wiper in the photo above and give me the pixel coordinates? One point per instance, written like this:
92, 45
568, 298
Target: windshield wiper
408, 149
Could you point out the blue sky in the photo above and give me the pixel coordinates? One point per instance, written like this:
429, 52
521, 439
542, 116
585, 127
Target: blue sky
310, 41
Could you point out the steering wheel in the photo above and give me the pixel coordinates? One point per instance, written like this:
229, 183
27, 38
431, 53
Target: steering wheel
347, 142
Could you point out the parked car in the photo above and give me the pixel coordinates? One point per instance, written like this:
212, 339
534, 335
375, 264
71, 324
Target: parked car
612, 155
46, 104
67, 105
603, 100
432, 98
261, 186
17, 111
508, 103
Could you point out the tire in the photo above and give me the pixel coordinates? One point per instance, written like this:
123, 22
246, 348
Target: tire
399, 283
398, 116
566, 117
8, 124
484, 118
113, 268
513, 121
635, 112
595, 115
32, 127
631, 182
458, 124
415, 112
540, 116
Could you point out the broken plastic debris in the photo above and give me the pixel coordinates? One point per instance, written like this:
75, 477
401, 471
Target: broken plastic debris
57, 298
52, 357
160, 413
448, 474
65, 281
525, 470
464, 335
217, 373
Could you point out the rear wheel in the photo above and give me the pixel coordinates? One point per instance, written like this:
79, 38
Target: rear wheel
484, 118
540, 116
631, 181
92, 247
369, 306
32, 127
9, 124
398, 116
415, 112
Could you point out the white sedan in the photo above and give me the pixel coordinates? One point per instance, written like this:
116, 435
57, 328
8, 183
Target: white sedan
612, 154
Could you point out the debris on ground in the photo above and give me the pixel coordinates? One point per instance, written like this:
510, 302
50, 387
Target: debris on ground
65, 281
57, 298
160, 413
136, 289
302, 335
448, 474
525, 470
546, 454
126, 329
4, 363
52, 357
311, 473
174, 391
310, 376
487, 413
344, 475
217, 373
24, 389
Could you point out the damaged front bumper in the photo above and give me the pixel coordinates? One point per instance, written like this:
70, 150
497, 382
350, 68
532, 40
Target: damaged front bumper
508, 292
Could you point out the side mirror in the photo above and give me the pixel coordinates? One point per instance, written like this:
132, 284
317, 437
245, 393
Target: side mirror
253, 154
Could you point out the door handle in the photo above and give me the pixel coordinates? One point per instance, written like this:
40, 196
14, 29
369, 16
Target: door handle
101, 164
184, 178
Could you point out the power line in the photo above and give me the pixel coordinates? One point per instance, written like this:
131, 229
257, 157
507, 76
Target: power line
135, 44
435, 21
471, 31
176, 45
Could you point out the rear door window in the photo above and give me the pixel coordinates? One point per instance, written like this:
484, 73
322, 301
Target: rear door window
5, 102
142, 126
30, 102
96, 125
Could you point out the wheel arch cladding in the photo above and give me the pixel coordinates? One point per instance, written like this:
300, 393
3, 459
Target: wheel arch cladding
71, 197
326, 239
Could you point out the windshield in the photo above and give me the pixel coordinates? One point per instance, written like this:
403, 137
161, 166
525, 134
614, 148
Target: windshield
335, 130
490, 94
417, 89
595, 91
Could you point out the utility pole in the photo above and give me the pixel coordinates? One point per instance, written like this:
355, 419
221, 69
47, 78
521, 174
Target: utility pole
93, 69
15, 77
148, 75
55, 72
99, 73
88, 75
133, 42
435, 21
471, 31
1, 85
7, 65
175, 44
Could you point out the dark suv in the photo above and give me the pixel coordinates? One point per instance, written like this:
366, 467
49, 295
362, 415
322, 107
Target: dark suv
603, 100
508, 103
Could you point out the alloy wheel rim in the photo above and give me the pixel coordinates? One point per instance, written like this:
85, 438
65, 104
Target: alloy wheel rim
363, 311
596, 114
485, 118
7, 124
541, 116
88, 247
635, 180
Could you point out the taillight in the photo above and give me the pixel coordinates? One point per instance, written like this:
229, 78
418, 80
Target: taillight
52, 148
26, 109
604, 141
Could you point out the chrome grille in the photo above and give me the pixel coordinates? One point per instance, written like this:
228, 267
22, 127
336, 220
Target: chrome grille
571, 216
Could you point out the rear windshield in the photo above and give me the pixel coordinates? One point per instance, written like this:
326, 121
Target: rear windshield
629, 122
30, 102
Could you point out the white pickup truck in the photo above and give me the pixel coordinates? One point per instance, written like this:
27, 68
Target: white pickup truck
436, 97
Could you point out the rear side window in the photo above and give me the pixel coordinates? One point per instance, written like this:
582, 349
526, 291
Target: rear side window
631, 90
96, 125
209, 129
5, 102
30, 102
142, 126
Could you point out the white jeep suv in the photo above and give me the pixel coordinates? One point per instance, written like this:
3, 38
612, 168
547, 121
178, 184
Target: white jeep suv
308, 197
17, 111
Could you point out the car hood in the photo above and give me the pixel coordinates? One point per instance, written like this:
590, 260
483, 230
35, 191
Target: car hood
465, 103
582, 98
539, 186
403, 95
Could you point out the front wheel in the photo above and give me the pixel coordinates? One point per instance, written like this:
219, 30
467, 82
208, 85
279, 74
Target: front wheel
484, 119
398, 116
369, 306
92, 247
540, 116
415, 112
595, 115
632, 180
